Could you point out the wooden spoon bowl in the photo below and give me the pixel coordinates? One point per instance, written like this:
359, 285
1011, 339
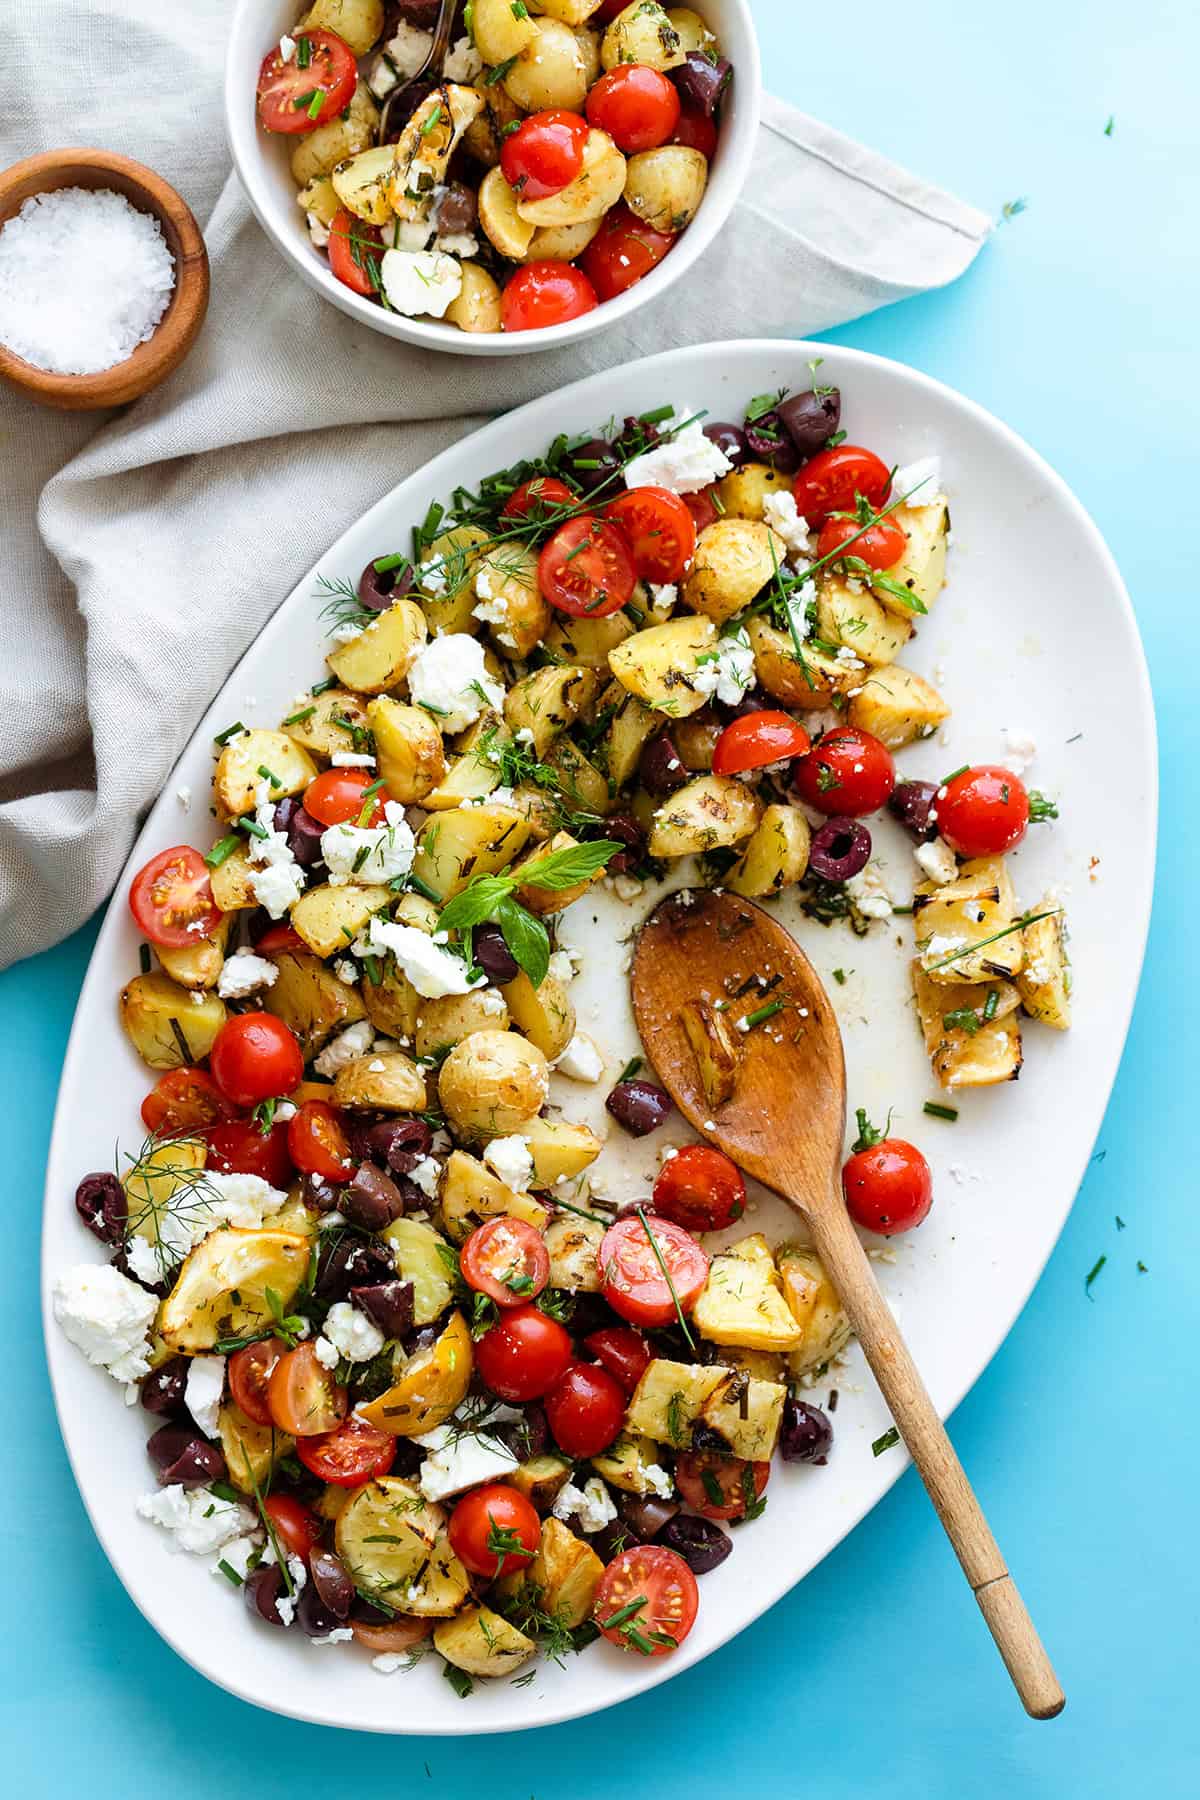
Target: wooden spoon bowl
176, 331
771, 1093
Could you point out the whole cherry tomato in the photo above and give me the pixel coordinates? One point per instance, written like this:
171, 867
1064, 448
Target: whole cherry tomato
544, 154
249, 1372
983, 811
238, 1147
586, 569
646, 1600
297, 1528
294, 96
352, 245
636, 105
586, 1410
886, 1181
880, 546
831, 481
183, 1100
317, 1144
659, 530
349, 1455
171, 898
507, 1260
337, 797
304, 1399
623, 251
621, 1350
720, 1487
635, 1282
847, 774
539, 498
545, 293
523, 1355
700, 1189
255, 1057
757, 739
495, 1531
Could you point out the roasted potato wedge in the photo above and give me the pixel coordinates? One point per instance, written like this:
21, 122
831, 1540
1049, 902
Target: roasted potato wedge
1045, 980
776, 855
492, 1082
454, 846
664, 187
717, 1047
165, 1024
311, 1000
408, 749
446, 1021
545, 1014
330, 918
659, 664
510, 234
313, 721
559, 1148
470, 1194
573, 1244
318, 152
631, 1464
711, 812
595, 189
422, 1257
482, 1643
546, 702
960, 1057
741, 1302
236, 778
198, 964
357, 22
431, 1384
642, 34
896, 706
382, 654
389, 1081
813, 1303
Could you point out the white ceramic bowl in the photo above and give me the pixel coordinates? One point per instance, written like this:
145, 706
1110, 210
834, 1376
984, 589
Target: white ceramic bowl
262, 166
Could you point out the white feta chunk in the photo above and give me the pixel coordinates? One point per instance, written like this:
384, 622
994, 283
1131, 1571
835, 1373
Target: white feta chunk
369, 854
510, 1159
463, 61
457, 1460
325, 1352
450, 678
920, 481
937, 861
581, 1060
591, 1504
869, 892
421, 283
107, 1316
781, 513
195, 1519
245, 973
203, 1389
352, 1333
355, 1041
426, 1174
1019, 750
684, 464
433, 970
728, 671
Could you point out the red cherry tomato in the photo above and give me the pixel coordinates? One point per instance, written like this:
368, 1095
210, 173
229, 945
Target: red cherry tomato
171, 898
650, 1596
546, 293
586, 1410
354, 1453
636, 105
293, 99
336, 797
847, 774
829, 481
303, 1397
880, 546
249, 1372
296, 1528
659, 529
182, 1100
621, 1350
607, 11
523, 1355
538, 499
495, 1531
352, 242
696, 131
634, 1283
317, 1144
623, 251
700, 1189
720, 1487
757, 739
239, 1148
255, 1057
586, 568
544, 154
983, 811
703, 508
278, 938
507, 1260
888, 1186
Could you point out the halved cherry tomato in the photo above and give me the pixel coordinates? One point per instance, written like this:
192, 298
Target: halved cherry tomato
546, 293
389, 1637
879, 546
621, 1350
354, 1453
304, 1399
507, 1260
847, 774
703, 508
659, 529
585, 1409
586, 568
888, 1185
538, 499
278, 938
182, 1100
296, 1527
700, 1189
171, 898
720, 1487
317, 1144
336, 797
646, 1600
544, 154
292, 98
696, 131
249, 1373
495, 1531
830, 480
352, 242
757, 739
636, 105
635, 1284
240, 1148
623, 252
983, 811
255, 1057
523, 1355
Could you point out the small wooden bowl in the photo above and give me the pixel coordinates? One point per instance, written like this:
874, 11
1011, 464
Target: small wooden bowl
176, 331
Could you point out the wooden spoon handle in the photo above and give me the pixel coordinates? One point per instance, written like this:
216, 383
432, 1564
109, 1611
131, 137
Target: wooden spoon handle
960, 1512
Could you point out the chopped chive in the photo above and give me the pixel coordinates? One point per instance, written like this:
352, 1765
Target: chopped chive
991, 1003
323, 687
303, 52
229, 1572
144, 958
224, 1491
298, 718
222, 851
839, 975
630, 1070
937, 1111
763, 1012
253, 827
432, 120
657, 416
423, 888
384, 564
947, 779
890, 1437
316, 103
1092, 1274
266, 774
230, 731
499, 72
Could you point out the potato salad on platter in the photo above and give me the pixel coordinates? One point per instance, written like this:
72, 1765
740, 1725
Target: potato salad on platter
415, 1385
551, 163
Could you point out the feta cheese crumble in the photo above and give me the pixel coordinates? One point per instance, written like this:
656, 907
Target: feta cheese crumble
195, 1519
106, 1316
354, 1042
869, 892
369, 854
591, 1504
421, 283
449, 677
782, 515
937, 861
921, 481
433, 970
1019, 750
509, 1158
244, 974
276, 878
425, 1174
352, 1333
203, 1389
325, 1352
463, 61
581, 1061
404, 54
684, 464
456, 1460
728, 671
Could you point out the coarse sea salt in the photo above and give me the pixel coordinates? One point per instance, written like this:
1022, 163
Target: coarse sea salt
84, 279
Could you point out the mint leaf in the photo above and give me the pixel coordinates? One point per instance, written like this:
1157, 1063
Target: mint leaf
567, 868
477, 902
526, 937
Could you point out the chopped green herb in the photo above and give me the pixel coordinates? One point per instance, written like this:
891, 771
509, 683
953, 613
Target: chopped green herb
886, 1441
1092, 1274
230, 731
937, 1111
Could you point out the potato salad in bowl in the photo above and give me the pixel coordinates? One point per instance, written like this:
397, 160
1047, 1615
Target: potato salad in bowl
416, 1388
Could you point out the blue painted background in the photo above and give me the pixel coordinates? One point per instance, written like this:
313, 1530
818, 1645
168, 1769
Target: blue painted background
1079, 327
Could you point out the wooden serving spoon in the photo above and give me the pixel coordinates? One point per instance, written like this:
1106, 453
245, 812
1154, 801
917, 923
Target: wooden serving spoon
784, 1123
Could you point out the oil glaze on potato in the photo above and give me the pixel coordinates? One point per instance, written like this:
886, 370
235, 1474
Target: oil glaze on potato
426, 144
550, 71
491, 1082
499, 31
357, 22
710, 813
744, 489
509, 232
658, 664
318, 152
236, 780
477, 306
408, 750
381, 655
165, 1025
735, 559
642, 34
664, 187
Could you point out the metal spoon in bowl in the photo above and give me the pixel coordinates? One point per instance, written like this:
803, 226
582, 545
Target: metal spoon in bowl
429, 74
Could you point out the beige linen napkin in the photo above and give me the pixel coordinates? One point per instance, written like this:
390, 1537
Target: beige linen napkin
165, 536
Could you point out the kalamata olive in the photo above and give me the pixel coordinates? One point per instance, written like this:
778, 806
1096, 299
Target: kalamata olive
661, 766
331, 1582
349, 1262
810, 418
371, 1199
493, 954
754, 700
121, 1261
527, 1436
702, 1545
262, 1590
422, 14
770, 443
646, 1515
162, 1390
388, 1303
624, 829
101, 1204
610, 1540
423, 1338
455, 211
400, 1143
403, 102
316, 1191
639, 1106
840, 849
315, 1619
181, 1455
303, 832
635, 436
408, 1458
702, 83
591, 1312
380, 588
807, 1435
730, 438
914, 803
590, 466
